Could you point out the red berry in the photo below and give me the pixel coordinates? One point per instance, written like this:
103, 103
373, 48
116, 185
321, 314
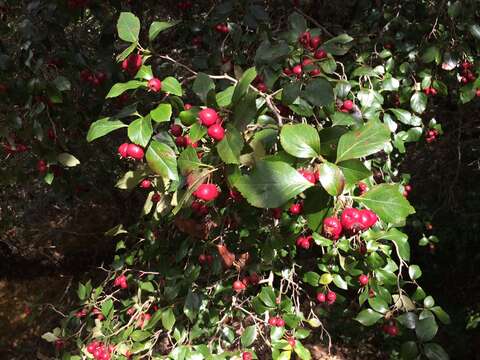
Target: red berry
315, 42
331, 297
315, 72
51, 134
296, 209
238, 286
362, 187
392, 330
305, 38
367, 218
247, 355
145, 184
176, 130
332, 227
122, 150
42, 166
304, 242
320, 54
180, 141
321, 297
154, 85
216, 132
262, 87
363, 280
351, 220
280, 322
135, 152
287, 71
91, 347
291, 342
132, 64
207, 192
187, 106
307, 62
408, 188
254, 278
156, 198
309, 175
272, 321
202, 258
208, 117
348, 105
297, 70
277, 213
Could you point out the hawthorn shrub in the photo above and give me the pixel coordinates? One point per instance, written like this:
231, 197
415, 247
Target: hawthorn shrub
267, 153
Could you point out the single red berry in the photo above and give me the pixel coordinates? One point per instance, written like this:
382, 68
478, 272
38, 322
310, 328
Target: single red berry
408, 188
287, 71
332, 228
297, 70
331, 297
156, 198
208, 117
187, 106
135, 152
392, 330
207, 192
307, 62
351, 220
262, 87
477, 92
291, 342
348, 105
304, 242
363, 280
272, 321
154, 85
238, 286
280, 322
216, 132
176, 130
202, 259
145, 184
309, 175
51, 134
320, 54
122, 150
315, 72
42, 166
321, 297
296, 209
247, 355
362, 187
180, 141
315, 42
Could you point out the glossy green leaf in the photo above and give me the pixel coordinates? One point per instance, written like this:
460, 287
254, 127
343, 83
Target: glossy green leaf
300, 140
103, 127
353, 171
120, 88
387, 202
331, 178
414, 272
368, 317
409, 350
340, 282
162, 113
434, 351
128, 27
362, 142
378, 304
230, 148
319, 92
244, 83
172, 86
188, 161
408, 319
162, 159
426, 329
158, 26
441, 315
418, 102
168, 319
311, 278
248, 336
271, 184
67, 160
140, 131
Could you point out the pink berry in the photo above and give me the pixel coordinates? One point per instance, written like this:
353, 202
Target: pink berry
207, 192
208, 117
216, 132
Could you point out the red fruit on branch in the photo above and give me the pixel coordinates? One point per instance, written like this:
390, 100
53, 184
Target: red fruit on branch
348, 105
315, 42
296, 209
363, 280
156, 198
216, 132
42, 166
122, 150
207, 192
351, 220
135, 152
208, 117
332, 228
176, 130
309, 175
320, 54
247, 355
321, 298
297, 70
154, 85
145, 184
238, 286
331, 297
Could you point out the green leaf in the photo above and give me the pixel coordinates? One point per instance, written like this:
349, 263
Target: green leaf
338, 280
311, 278
426, 329
366, 140
300, 140
387, 202
319, 92
140, 335
331, 178
202, 86
441, 315
406, 117
162, 160
140, 131
378, 304
124, 54
161, 113
245, 111
249, 335
230, 148
271, 184
302, 352
147, 286
267, 295
408, 319
68, 160
368, 317
409, 350
120, 88
414, 272
128, 27
338, 45
434, 351
107, 306
390, 83
353, 170
168, 319
62, 83
428, 302
475, 31
418, 102
188, 161
401, 241
192, 305
326, 279
244, 83
50, 337
224, 98
130, 179
144, 73
268, 53
158, 26
172, 86
432, 54
297, 24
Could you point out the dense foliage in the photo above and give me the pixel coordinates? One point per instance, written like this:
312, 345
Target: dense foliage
266, 150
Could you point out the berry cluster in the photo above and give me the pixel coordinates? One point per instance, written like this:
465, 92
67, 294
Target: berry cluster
100, 351
430, 91
431, 135
205, 259
352, 221
121, 282
276, 321
330, 297
210, 119
406, 190
307, 65
304, 242
132, 151
466, 74
390, 328
240, 285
